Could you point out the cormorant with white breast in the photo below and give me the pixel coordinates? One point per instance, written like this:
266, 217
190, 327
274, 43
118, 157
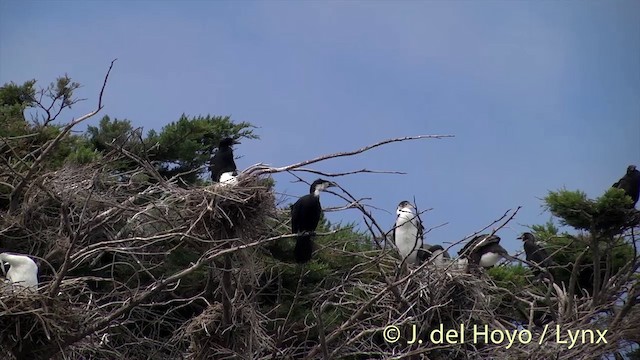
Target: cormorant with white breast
23, 271
305, 215
630, 183
535, 253
484, 250
222, 162
408, 232
436, 252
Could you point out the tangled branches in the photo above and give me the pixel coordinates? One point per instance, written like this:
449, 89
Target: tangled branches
136, 266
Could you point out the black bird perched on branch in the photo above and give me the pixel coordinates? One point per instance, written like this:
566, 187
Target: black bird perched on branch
408, 231
630, 183
535, 253
484, 250
305, 215
222, 161
437, 252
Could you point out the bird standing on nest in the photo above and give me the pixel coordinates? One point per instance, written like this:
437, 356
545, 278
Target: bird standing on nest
23, 271
484, 250
305, 215
408, 232
222, 165
630, 183
535, 253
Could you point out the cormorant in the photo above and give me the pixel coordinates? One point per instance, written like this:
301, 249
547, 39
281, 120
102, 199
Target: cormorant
222, 161
23, 271
484, 250
535, 253
408, 232
437, 252
305, 215
630, 183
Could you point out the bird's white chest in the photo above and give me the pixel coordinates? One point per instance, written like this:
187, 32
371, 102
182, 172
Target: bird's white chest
228, 179
23, 275
406, 236
489, 259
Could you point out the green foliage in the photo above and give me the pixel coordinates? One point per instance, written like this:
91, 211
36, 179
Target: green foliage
14, 99
116, 133
572, 207
63, 89
510, 277
545, 231
605, 218
608, 214
187, 144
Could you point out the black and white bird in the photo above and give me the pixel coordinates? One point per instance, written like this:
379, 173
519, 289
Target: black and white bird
630, 183
23, 271
408, 232
438, 255
305, 215
484, 250
535, 253
222, 165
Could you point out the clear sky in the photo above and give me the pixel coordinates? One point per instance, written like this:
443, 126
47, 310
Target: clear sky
540, 95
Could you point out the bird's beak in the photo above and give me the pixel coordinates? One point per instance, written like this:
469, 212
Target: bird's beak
236, 142
520, 237
332, 184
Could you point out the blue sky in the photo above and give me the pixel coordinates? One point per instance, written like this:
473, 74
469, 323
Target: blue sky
540, 95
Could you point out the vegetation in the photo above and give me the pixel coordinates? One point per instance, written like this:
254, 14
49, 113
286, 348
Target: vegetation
142, 257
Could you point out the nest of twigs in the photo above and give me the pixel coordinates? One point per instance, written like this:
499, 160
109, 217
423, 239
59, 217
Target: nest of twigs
134, 266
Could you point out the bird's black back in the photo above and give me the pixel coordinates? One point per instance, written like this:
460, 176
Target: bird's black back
471, 246
630, 183
536, 253
305, 213
426, 251
222, 162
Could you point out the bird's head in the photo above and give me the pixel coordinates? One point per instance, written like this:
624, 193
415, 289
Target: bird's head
321, 185
405, 207
227, 142
631, 169
527, 236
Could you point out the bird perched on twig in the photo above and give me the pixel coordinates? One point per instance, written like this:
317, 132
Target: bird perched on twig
23, 271
305, 215
484, 250
535, 253
222, 162
630, 183
408, 232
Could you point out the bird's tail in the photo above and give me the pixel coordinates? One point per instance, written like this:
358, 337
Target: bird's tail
304, 248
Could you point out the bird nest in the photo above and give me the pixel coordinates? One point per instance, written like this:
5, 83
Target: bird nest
146, 268
123, 239
34, 320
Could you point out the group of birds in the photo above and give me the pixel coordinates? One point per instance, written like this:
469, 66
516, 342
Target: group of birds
482, 251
